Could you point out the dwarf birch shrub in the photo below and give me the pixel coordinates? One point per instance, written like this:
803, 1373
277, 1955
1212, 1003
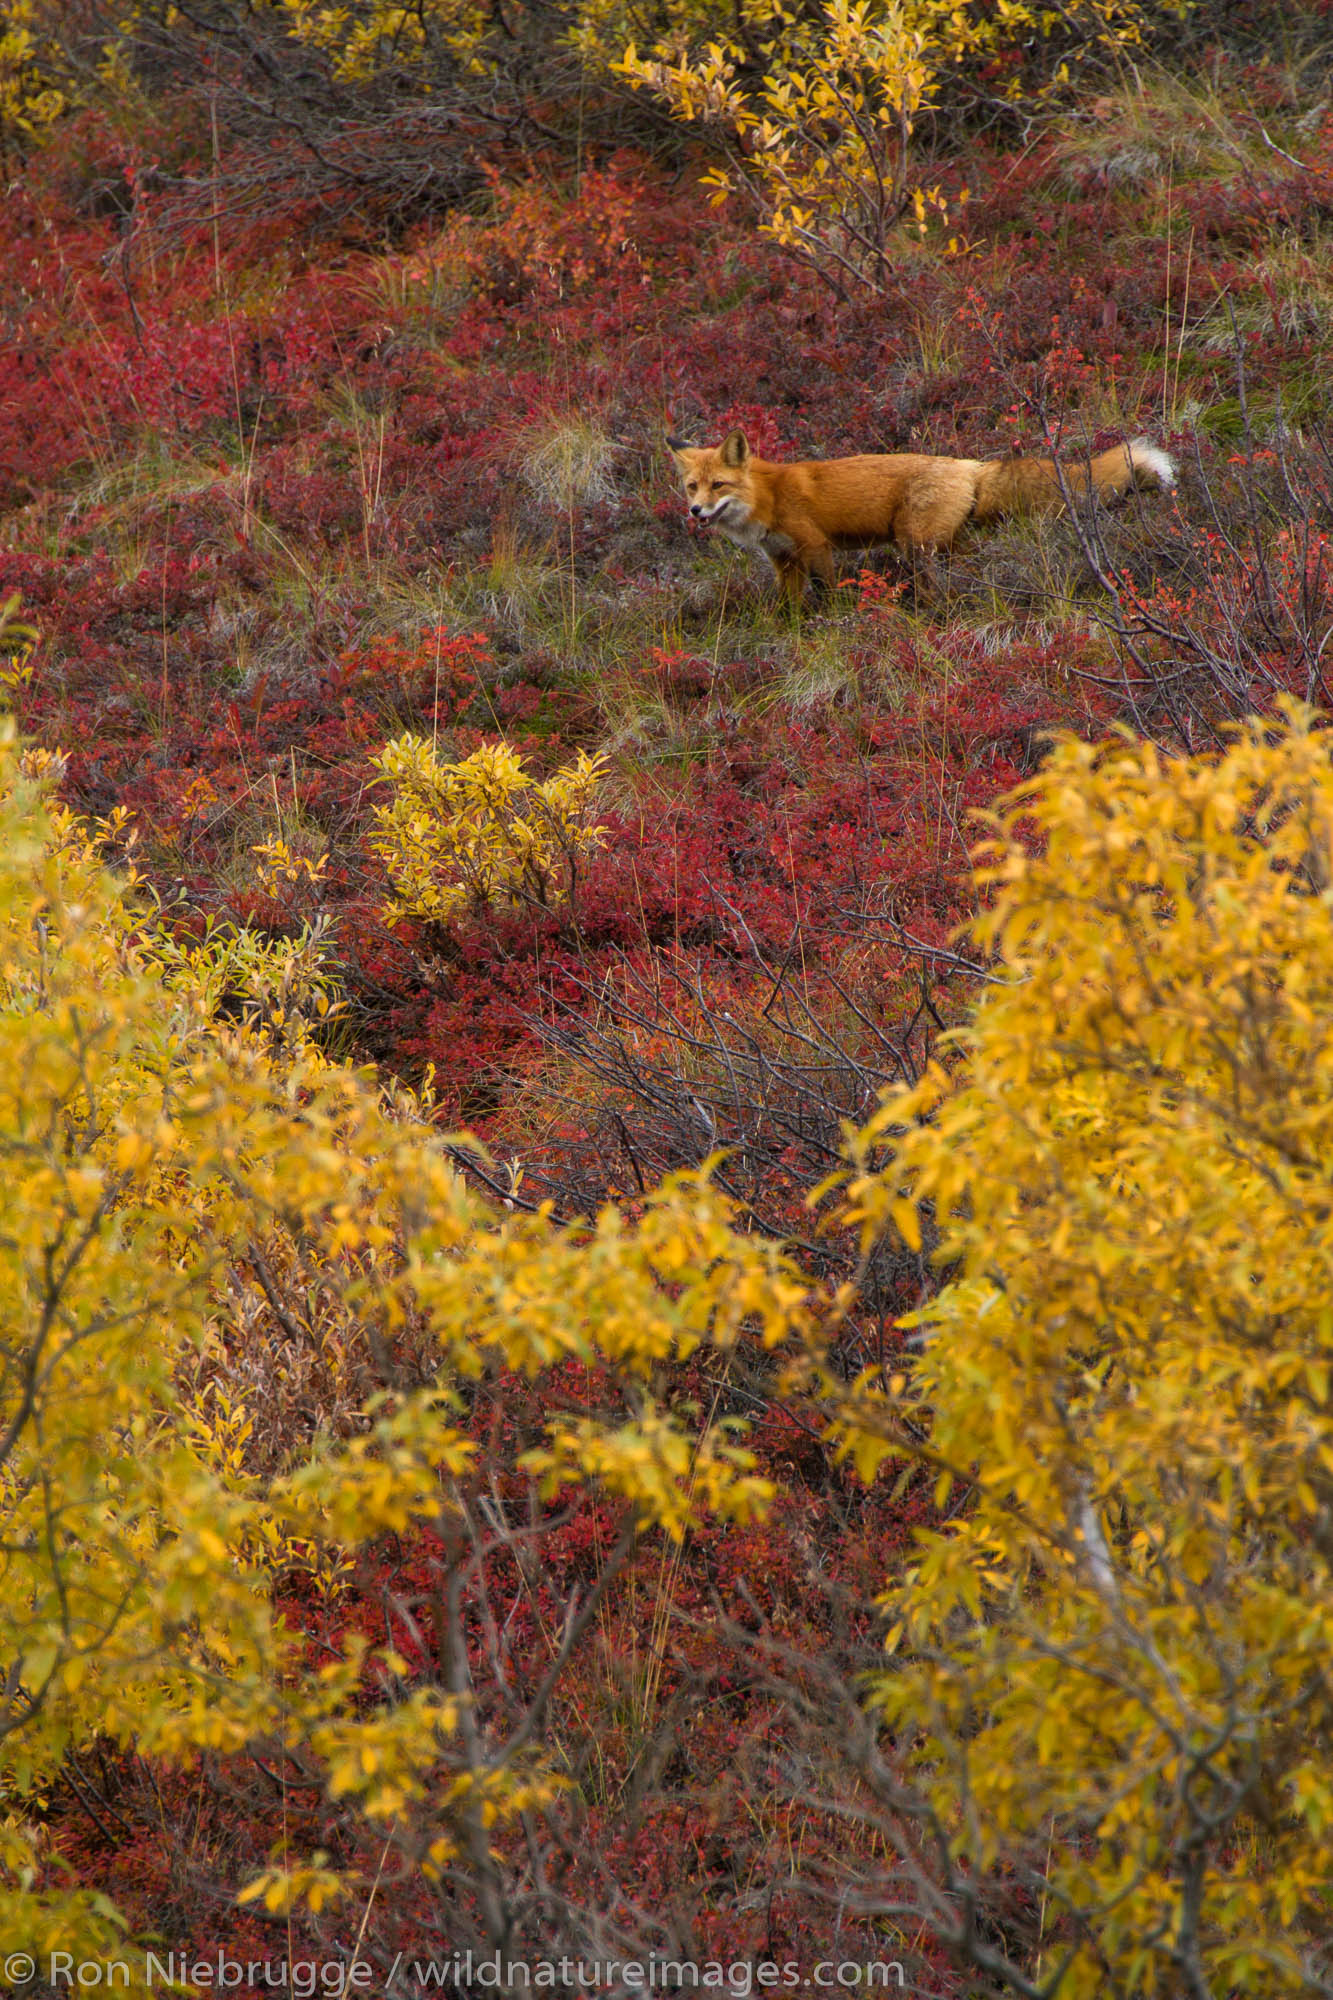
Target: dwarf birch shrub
462, 837
1110, 1672
155, 1147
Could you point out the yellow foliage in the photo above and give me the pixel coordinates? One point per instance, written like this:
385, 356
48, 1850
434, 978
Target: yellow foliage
459, 837
670, 1478
31, 98
16, 644
1109, 1669
817, 106
364, 39
282, 1890
151, 1144
815, 103
279, 867
1114, 1662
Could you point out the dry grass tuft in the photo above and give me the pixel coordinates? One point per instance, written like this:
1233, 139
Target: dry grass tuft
569, 461
1161, 129
1289, 292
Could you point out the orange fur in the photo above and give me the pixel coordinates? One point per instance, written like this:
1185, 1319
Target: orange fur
800, 512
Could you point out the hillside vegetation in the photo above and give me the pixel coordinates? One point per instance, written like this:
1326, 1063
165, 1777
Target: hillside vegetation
607, 1349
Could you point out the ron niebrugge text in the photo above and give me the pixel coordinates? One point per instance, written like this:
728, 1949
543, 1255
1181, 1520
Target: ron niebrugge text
304, 1978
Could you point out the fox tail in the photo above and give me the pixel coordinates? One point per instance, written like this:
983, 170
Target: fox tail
1038, 486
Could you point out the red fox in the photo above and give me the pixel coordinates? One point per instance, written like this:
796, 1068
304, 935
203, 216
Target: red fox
798, 513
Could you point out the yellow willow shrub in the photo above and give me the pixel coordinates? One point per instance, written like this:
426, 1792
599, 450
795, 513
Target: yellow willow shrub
149, 1140
363, 39
816, 108
812, 106
459, 837
33, 87
1114, 1665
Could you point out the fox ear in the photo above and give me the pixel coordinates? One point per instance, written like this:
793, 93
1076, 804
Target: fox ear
678, 444
735, 448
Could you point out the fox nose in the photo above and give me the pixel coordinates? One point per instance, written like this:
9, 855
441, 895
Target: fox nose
696, 510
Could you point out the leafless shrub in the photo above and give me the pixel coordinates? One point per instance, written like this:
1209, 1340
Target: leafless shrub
408, 141
1217, 600
661, 1070
1231, 603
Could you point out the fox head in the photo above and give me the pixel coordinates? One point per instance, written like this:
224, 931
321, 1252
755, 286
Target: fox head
717, 479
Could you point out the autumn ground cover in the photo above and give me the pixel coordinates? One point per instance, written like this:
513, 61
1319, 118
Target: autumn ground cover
280, 487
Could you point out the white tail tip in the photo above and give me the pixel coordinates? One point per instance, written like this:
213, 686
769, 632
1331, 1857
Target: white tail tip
1145, 456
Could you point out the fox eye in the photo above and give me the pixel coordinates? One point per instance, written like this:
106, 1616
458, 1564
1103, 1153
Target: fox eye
691, 485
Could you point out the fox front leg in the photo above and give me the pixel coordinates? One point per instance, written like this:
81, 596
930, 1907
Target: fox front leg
798, 556
790, 573
817, 559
